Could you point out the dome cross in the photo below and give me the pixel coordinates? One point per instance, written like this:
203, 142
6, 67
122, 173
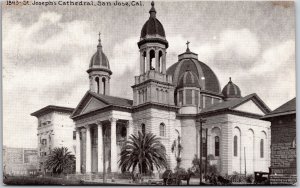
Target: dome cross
187, 46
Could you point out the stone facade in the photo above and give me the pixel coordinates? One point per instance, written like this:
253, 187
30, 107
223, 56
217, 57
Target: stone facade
225, 127
283, 144
169, 103
20, 161
55, 129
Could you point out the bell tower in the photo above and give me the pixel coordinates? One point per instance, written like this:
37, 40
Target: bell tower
99, 72
153, 85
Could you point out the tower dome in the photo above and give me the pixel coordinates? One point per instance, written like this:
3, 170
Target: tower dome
231, 90
153, 30
153, 27
99, 72
188, 79
99, 60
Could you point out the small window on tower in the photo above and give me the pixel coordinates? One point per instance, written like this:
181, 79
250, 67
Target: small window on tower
104, 86
189, 97
162, 130
180, 98
196, 97
152, 60
98, 84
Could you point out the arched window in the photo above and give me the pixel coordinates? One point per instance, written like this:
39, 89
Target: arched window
162, 129
152, 57
235, 142
144, 59
143, 128
97, 82
262, 148
217, 146
104, 86
294, 143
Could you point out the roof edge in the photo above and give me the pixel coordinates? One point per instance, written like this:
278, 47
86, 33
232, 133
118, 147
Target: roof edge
51, 108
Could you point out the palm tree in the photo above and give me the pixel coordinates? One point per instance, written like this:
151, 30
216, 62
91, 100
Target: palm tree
60, 160
144, 151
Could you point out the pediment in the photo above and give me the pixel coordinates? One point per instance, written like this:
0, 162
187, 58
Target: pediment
250, 107
93, 104
87, 104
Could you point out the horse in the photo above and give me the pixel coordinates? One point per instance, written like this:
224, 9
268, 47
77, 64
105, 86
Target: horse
175, 178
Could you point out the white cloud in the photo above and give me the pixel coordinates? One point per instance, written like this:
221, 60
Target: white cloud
29, 84
275, 57
243, 43
47, 35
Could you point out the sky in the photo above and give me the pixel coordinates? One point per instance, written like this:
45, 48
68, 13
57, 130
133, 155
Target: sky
47, 50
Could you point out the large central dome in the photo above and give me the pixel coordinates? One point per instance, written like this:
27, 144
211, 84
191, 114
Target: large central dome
188, 61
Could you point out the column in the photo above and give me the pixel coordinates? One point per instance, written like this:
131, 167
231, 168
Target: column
129, 129
107, 87
184, 97
101, 91
88, 150
78, 158
156, 61
113, 149
142, 63
164, 63
147, 60
100, 147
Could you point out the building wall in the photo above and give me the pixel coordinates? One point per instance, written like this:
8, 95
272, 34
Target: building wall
63, 131
248, 146
152, 118
219, 126
226, 126
283, 150
188, 133
55, 129
20, 161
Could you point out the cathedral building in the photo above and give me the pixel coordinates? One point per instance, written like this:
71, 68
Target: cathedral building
169, 103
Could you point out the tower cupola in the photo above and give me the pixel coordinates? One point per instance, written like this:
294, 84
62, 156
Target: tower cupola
99, 71
231, 91
153, 85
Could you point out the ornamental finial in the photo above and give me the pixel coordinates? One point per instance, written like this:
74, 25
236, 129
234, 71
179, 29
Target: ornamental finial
152, 10
99, 40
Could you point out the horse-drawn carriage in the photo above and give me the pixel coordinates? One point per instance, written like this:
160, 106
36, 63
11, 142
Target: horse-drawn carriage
176, 178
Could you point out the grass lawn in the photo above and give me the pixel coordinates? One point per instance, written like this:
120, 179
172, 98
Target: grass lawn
23, 180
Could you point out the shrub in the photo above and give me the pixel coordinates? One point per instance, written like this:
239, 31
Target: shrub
211, 169
249, 179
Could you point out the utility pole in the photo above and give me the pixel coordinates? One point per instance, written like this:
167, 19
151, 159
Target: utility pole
201, 149
206, 149
245, 160
103, 151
